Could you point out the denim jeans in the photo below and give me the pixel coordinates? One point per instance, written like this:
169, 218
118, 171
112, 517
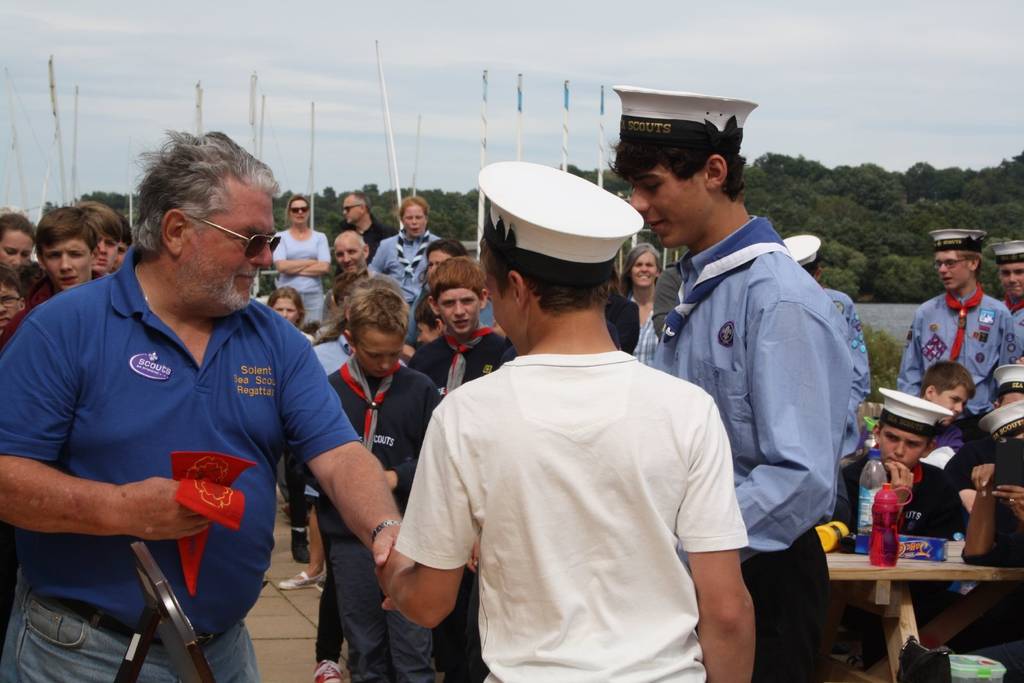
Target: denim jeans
46, 643
1010, 655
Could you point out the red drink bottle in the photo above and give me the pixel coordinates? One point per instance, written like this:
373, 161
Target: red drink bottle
885, 528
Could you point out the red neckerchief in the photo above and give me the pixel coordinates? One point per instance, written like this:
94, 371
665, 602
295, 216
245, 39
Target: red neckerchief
1014, 306
361, 388
961, 323
918, 473
457, 370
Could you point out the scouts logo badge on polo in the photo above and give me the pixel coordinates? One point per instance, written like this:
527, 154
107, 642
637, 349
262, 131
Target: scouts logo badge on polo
986, 316
726, 334
148, 365
934, 348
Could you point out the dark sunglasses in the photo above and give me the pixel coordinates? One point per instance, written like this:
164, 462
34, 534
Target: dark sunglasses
354, 206
299, 209
254, 244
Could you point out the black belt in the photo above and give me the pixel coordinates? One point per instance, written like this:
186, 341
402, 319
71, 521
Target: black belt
97, 618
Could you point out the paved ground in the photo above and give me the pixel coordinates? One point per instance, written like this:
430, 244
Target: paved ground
283, 623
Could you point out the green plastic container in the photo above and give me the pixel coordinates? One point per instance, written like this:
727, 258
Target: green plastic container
973, 668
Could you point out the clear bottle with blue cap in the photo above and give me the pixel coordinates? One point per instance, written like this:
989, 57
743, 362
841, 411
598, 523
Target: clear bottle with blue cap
871, 479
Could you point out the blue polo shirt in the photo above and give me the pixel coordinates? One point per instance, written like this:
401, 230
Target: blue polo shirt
98, 386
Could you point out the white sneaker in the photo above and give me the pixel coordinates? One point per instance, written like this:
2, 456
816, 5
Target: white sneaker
300, 580
327, 672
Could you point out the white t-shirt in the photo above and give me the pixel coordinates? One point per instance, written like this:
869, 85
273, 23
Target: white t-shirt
579, 473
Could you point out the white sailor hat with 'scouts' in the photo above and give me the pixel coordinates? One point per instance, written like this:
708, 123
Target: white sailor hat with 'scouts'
803, 248
552, 225
1004, 422
1009, 379
910, 413
1009, 252
682, 119
955, 238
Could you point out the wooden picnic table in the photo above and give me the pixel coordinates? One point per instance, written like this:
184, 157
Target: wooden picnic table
885, 591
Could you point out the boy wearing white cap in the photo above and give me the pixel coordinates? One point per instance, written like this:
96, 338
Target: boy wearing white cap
962, 324
763, 339
805, 251
905, 434
1010, 382
578, 521
1010, 261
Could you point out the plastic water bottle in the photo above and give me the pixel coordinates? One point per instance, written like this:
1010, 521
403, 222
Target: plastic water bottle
885, 528
871, 479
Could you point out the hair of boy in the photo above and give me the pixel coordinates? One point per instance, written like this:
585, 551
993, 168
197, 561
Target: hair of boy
414, 201
65, 223
104, 220
947, 375
343, 284
460, 272
551, 298
15, 222
633, 159
292, 295
9, 278
449, 246
379, 308
425, 315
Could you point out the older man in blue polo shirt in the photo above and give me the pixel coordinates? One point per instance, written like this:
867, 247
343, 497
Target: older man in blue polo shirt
166, 355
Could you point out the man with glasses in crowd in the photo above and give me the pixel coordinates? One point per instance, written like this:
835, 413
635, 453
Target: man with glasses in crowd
105, 382
962, 324
356, 215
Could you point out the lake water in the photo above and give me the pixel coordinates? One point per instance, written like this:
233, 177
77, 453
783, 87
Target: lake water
892, 318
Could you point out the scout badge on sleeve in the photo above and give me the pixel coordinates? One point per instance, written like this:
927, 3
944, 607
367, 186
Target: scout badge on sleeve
205, 488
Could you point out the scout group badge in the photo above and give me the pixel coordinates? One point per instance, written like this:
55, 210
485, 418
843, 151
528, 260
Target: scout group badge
205, 481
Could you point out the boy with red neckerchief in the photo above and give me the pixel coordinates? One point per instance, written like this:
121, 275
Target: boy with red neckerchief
1010, 260
389, 405
963, 324
466, 350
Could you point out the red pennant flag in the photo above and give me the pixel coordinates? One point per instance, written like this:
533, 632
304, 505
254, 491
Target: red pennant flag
205, 480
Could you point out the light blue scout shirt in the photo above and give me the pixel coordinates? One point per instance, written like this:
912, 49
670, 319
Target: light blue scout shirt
766, 344
409, 275
102, 389
1018, 329
861, 371
990, 340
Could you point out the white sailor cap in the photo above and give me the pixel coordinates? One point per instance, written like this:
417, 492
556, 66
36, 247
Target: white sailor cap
910, 413
1009, 252
803, 248
682, 119
552, 225
1004, 422
955, 238
1010, 379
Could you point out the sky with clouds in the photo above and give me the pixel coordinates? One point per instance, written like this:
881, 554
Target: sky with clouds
887, 83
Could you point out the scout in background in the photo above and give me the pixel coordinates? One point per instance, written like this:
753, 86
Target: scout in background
948, 384
1010, 261
962, 324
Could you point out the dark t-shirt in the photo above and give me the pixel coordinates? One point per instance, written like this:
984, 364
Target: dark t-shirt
958, 474
434, 359
401, 425
624, 315
935, 509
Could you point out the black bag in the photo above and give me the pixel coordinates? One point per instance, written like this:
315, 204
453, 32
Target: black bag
918, 664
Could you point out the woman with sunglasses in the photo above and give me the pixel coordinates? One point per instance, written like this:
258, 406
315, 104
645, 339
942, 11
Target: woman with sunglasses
303, 258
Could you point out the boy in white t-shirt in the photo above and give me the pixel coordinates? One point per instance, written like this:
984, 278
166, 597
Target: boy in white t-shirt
578, 519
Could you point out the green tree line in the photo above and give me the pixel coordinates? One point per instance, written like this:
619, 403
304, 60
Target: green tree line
874, 223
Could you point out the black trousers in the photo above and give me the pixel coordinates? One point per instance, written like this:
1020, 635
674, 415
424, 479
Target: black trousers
790, 593
329, 633
8, 577
298, 510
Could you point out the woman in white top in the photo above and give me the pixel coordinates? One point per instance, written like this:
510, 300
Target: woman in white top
303, 258
638, 278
